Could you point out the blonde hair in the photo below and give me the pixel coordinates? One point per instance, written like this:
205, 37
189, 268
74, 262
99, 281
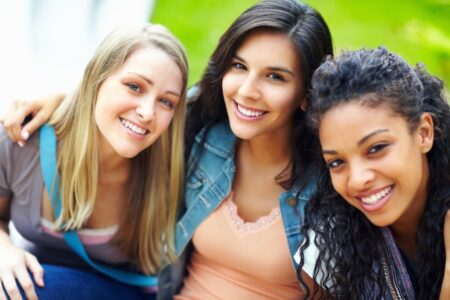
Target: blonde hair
148, 232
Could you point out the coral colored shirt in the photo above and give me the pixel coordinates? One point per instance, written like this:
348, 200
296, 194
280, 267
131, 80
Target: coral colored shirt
233, 259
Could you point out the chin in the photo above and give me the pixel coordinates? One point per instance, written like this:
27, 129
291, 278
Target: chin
127, 153
381, 221
242, 133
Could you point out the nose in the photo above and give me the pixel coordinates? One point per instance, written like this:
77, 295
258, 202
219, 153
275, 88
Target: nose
249, 88
361, 177
146, 109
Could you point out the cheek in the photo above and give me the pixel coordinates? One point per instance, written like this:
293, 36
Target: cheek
165, 119
409, 169
99, 113
401, 163
230, 83
283, 98
338, 182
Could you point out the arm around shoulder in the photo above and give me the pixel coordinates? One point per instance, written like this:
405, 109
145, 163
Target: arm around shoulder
23, 118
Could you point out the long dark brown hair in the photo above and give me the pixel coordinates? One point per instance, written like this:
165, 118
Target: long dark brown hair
311, 37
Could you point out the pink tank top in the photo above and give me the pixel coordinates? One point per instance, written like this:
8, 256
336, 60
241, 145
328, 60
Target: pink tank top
233, 259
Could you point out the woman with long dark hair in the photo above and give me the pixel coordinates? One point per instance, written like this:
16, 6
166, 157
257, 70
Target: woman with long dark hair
248, 177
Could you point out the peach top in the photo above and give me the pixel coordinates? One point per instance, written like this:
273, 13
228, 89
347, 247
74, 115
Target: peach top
234, 259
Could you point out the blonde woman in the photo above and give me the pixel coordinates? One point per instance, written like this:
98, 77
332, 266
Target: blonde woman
119, 149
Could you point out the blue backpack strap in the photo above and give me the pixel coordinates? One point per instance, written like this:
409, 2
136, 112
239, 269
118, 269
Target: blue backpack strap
74, 242
47, 146
47, 149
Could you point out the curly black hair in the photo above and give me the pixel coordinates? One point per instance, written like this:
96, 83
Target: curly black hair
346, 239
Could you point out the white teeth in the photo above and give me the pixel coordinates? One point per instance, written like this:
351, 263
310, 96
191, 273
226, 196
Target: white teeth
133, 127
249, 113
376, 197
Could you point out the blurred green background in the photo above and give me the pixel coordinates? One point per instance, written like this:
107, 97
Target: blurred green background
419, 30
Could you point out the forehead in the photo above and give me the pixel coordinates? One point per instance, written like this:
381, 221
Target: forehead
154, 64
269, 47
353, 120
149, 54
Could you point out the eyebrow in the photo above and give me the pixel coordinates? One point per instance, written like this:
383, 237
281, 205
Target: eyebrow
151, 83
378, 131
360, 142
272, 68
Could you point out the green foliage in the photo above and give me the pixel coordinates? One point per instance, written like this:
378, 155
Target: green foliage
418, 30
199, 25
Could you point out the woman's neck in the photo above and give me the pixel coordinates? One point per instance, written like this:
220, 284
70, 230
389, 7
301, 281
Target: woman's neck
405, 230
407, 241
262, 161
255, 186
114, 169
266, 151
406, 227
113, 190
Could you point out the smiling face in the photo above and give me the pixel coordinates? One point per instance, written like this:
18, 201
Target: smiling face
136, 103
376, 163
262, 87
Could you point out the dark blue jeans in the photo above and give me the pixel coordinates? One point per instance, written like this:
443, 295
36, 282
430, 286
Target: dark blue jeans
65, 283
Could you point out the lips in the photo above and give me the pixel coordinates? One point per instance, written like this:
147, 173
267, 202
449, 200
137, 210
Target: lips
373, 199
247, 112
133, 127
376, 200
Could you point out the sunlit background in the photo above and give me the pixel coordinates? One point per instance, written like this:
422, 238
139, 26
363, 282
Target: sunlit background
45, 44
419, 30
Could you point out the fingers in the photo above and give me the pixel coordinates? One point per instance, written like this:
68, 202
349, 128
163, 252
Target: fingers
13, 119
25, 282
35, 268
9, 283
34, 124
7, 121
14, 274
39, 109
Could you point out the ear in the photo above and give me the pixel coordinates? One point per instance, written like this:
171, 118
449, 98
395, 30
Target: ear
425, 132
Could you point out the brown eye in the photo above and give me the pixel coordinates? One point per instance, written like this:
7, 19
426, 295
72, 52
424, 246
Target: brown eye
276, 77
334, 163
376, 148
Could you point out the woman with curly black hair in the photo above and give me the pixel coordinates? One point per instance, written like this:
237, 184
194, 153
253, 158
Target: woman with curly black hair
380, 221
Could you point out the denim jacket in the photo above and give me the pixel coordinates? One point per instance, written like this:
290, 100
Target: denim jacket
210, 174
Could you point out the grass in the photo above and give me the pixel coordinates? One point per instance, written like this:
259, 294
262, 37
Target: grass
418, 30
